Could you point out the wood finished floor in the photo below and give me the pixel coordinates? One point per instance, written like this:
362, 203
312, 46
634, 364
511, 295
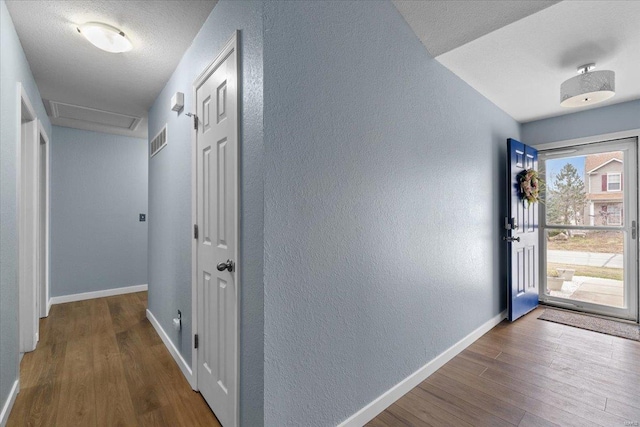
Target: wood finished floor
529, 373
100, 363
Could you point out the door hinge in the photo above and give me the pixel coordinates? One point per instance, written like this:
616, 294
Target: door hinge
195, 231
195, 120
195, 341
634, 229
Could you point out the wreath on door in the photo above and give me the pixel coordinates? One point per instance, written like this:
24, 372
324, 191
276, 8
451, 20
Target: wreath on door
530, 186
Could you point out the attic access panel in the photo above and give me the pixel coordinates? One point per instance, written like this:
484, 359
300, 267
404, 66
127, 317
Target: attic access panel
93, 115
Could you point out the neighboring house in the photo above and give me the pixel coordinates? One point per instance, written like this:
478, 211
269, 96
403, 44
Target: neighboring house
604, 180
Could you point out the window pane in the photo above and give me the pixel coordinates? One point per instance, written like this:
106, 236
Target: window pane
613, 182
585, 190
586, 265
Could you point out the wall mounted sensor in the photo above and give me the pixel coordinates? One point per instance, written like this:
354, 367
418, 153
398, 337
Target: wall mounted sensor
177, 101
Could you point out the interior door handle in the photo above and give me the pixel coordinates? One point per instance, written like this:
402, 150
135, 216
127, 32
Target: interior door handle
511, 239
225, 266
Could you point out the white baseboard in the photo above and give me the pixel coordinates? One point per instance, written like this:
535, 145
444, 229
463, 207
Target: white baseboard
48, 306
97, 294
182, 364
6, 409
385, 400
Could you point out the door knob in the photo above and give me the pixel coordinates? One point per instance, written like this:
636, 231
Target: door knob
225, 266
511, 239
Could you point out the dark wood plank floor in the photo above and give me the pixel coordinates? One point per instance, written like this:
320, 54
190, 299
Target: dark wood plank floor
100, 363
529, 373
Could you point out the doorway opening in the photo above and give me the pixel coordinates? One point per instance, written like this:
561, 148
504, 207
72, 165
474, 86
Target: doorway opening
588, 239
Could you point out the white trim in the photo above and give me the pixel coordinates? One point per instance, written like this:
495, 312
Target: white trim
182, 364
194, 244
588, 140
604, 164
98, 294
24, 98
386, 399
49, 304
8, 405
229, 48
45, 293
27, 201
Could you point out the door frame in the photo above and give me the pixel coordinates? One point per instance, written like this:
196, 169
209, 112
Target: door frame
632, 133
230, 47
44, 283
27, 175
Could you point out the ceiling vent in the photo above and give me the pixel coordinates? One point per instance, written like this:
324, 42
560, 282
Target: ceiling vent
62, 110
159, 142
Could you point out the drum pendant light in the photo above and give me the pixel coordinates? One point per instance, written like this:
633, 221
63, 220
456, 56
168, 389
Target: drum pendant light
588, 87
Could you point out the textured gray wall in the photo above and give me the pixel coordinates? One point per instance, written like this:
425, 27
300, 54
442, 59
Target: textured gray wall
597, 121
384, 177
170, 227
98, 188
13, 69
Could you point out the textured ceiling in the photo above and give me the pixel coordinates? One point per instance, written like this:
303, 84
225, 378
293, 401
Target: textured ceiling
67, 68
445, 25
520, 67
515, 53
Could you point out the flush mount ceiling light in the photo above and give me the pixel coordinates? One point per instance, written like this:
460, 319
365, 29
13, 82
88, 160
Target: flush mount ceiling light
105, 37
589, 87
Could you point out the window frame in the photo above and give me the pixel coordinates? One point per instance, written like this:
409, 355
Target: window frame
609, 175
614, 210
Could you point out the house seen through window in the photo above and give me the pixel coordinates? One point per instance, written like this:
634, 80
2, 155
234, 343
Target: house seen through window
613, 182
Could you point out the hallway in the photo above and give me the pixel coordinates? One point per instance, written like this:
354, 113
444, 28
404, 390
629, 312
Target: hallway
99, 362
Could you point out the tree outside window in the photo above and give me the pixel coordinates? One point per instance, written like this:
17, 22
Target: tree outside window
566, 198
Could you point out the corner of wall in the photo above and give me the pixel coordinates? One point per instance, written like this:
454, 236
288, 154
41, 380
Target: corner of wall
14, 69
8, 404
170, 221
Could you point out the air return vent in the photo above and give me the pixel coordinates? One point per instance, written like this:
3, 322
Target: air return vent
159, 142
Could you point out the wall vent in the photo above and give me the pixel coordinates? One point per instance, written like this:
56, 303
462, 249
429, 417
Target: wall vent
159, 142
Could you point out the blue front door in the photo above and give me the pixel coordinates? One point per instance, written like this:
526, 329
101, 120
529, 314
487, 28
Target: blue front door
522, 234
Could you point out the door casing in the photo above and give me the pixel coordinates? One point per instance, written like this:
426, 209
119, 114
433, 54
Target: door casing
634, 133
27, 220
43, 220
230, 46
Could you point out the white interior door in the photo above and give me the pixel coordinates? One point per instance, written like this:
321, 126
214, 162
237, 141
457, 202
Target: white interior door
216, 204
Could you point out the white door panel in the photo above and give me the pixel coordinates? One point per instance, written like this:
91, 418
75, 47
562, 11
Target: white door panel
216, 204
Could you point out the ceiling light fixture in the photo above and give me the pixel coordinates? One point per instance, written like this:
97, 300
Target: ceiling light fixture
105, 37
589, 87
